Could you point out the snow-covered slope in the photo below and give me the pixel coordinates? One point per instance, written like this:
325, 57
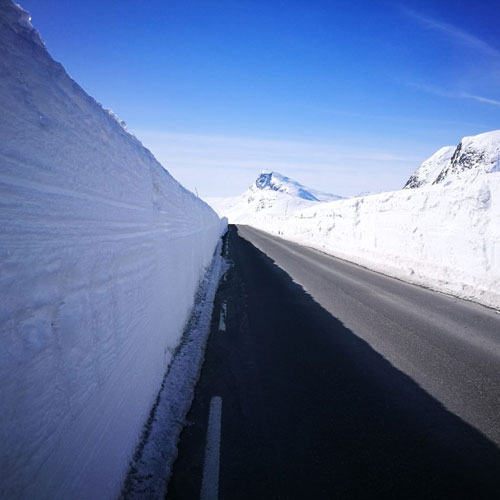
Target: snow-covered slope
101, 255
480, 153
271, 193
428, 172
445, 236
274, 181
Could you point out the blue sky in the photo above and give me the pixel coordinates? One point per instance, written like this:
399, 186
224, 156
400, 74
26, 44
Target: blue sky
344, 96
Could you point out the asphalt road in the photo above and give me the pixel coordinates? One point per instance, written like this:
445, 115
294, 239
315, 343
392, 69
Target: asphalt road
335, 382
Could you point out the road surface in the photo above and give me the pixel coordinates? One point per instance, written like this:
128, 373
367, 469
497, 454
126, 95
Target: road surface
324, 380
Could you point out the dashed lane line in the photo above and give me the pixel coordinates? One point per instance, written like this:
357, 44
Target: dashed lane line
210, 480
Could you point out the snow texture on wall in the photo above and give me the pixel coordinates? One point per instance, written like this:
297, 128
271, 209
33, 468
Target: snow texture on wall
444, 236
101, 255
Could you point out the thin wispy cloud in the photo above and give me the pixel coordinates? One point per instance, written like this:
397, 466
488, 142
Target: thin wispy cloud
393, 117
432, 89
479, 98
454, 33
227, 150
460, 37
228, 165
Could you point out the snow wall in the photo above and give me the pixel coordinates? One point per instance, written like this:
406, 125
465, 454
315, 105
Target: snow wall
101, 254
445, 237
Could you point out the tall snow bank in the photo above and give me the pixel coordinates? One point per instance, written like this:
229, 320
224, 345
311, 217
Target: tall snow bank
101, 254
443, 236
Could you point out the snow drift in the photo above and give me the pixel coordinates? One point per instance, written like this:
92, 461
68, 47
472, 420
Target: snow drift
101, 255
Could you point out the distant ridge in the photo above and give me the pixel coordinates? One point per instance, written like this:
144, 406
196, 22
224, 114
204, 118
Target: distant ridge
272, 193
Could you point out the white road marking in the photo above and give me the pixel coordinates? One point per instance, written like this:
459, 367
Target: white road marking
210, 480
222, 318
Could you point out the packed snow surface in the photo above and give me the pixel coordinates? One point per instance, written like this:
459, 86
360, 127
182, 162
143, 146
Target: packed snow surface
102, 252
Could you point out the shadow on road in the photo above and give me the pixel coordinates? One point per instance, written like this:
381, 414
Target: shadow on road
311, 411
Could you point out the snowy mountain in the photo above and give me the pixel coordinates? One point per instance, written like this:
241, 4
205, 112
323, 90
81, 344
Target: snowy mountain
480, 153
271, 193
273, 181
428, 172
102, 251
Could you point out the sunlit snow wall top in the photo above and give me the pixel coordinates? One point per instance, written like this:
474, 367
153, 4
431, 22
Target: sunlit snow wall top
101, 254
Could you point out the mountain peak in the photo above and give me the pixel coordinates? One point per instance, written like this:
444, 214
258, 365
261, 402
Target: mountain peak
271, 192
274, 181
479, 152
430, 168
264, 179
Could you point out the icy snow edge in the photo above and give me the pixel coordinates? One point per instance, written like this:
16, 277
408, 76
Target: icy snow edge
20, 20
151, 466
